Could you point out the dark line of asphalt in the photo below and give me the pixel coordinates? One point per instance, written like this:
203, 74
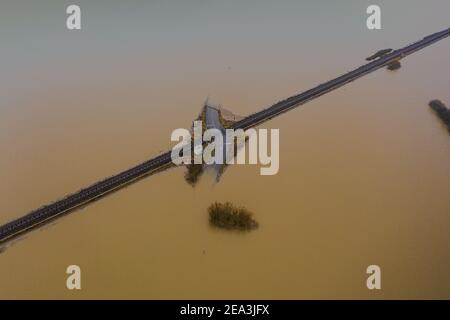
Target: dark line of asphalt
49, 212
297, 100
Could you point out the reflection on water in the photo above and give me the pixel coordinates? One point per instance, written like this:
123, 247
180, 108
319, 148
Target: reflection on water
364, 171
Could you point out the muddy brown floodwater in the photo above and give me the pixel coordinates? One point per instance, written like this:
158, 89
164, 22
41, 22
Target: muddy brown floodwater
364, 171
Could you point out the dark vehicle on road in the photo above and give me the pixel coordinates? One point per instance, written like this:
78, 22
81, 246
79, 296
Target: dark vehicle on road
378, 54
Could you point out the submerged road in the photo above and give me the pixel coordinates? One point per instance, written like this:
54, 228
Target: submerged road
56, 209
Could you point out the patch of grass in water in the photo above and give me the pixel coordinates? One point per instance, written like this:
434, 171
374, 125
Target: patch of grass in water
228, 216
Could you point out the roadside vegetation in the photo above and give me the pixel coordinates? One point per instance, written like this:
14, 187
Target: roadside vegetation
394, 65
194, 171
442, 111
227, 216
202, 118
225, 123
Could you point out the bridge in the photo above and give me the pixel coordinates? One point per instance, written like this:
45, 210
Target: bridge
212, 119
47, 213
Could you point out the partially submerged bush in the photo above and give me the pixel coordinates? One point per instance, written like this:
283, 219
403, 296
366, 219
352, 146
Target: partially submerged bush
193, 173
442, 111
394, 65
227, 216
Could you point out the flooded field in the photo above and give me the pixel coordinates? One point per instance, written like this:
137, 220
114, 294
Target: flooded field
364, 172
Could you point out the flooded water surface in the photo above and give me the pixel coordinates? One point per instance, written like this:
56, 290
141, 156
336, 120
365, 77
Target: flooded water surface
364, 172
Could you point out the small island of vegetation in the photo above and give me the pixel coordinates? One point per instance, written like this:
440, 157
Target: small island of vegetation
442, 111
227, 216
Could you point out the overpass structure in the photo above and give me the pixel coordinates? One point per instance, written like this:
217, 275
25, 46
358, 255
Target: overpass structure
212, 119
42, 215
